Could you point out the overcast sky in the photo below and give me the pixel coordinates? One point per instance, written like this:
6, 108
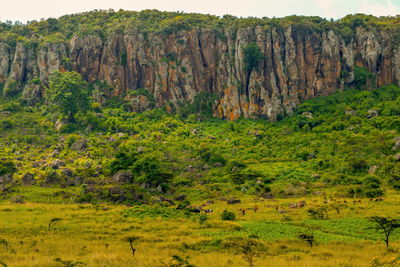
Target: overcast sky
24, 10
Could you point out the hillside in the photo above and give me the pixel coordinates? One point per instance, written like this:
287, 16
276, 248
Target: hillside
250, 67
332, 141
198, 190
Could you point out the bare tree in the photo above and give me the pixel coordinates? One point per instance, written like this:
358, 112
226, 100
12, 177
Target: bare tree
385, 225
132, 239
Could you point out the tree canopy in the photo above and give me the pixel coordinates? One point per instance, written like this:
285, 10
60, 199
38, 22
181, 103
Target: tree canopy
68, 91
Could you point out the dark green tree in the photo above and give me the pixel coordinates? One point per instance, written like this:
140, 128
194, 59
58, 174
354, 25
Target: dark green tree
361, 77
252, 59
68, 91
252, 56
385, 225
148, 170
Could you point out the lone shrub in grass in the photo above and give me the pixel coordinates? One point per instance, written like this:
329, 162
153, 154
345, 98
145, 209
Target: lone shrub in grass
318, 213
178, 261
52, 222
228, 216
68, 263
309, 238
202, 219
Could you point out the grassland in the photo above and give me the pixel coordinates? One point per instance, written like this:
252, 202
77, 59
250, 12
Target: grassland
95, 235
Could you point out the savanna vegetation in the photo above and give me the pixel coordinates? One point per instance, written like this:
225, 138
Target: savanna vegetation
92, 184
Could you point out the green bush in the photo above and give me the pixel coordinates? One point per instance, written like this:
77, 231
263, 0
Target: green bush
7, 167
228, 216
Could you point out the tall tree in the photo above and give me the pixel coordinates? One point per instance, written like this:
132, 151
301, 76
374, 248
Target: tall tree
68, 91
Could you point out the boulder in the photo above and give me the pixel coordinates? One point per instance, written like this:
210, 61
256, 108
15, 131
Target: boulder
57, 164
351, 112
123, 176
396, 146
397, 157
80, 144
373, 169
6, 179
307, 115
59, 125
372, 113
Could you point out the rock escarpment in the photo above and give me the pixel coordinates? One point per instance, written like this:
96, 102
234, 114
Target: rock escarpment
174, 68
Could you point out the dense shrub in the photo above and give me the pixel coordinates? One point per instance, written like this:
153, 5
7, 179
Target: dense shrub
228, 216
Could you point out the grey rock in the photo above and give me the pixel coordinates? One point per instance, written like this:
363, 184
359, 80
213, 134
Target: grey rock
372, 113
6, 179
123, 177
80, 144
307, 114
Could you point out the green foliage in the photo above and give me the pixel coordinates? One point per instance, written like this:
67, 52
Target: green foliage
7, 167
11, 88
361, 76
149, 170
320, 213
202, 104
385, 225
122, 161
68, 91
202, 219
252, 56
6, 125
228, 216
178, 261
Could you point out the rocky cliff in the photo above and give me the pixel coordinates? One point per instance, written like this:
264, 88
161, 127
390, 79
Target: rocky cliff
175, 67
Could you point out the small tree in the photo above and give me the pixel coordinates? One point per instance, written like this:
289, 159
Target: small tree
202, 219
252, 56
252, 59
318, 213
385, 225
149, 170
68, 91
132, 239
52, 222
249, 250
309, 238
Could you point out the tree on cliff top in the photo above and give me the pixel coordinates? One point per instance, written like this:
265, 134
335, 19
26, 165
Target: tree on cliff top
68, 91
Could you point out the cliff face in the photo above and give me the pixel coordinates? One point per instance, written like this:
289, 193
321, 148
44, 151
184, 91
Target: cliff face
174, 68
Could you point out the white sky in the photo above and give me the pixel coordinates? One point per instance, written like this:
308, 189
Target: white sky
24, 10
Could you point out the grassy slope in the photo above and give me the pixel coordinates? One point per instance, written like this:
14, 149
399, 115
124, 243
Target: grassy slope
94, 234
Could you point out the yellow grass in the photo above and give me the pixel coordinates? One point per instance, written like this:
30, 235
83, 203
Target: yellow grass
95, 236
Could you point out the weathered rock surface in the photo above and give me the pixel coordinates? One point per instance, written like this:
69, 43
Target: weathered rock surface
80, 144
174, 68
123, 177
6, 179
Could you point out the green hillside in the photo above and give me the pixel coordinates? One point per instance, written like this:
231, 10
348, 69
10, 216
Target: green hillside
345, 143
